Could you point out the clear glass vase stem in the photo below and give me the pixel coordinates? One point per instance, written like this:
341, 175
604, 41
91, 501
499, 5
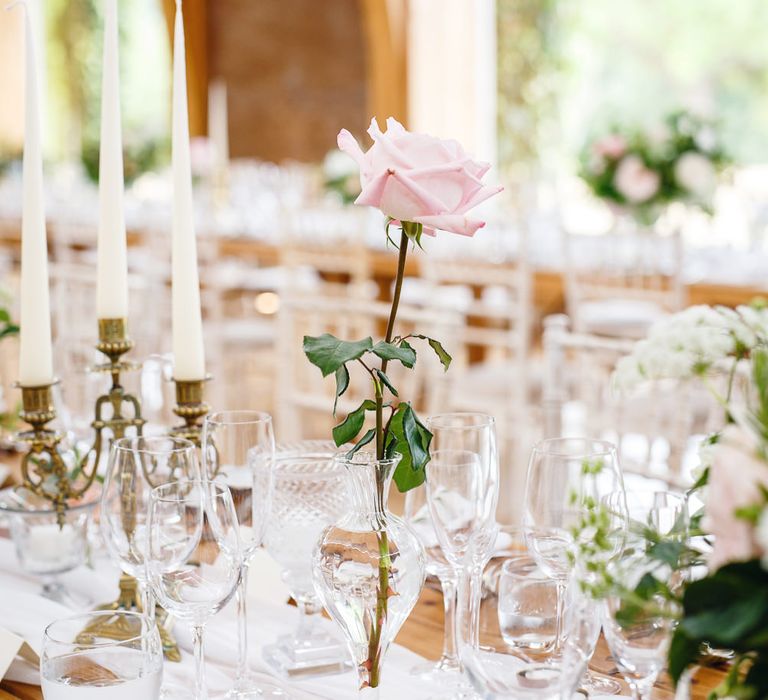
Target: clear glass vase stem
450, 656
559, 622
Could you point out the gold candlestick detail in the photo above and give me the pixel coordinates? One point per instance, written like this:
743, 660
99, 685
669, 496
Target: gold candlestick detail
191, 407
43, 469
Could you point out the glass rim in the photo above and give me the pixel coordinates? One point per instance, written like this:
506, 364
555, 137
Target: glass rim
238, 416
442, 420
89, 616
365, 458
126, 444
599, 448
536, 574
282, 470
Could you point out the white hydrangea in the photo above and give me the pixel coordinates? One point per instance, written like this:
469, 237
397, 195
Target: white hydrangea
688, 343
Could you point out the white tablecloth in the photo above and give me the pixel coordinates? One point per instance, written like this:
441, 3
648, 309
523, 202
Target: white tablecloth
25, 612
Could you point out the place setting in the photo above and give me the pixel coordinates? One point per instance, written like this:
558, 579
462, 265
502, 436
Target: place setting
336, 363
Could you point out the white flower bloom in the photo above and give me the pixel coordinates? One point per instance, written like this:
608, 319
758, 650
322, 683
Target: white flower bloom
338, 165
761, 536
695, 173
634, 181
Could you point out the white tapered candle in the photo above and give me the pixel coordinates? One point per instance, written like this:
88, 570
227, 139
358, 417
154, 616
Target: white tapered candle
188, 353
112, 268
35, 357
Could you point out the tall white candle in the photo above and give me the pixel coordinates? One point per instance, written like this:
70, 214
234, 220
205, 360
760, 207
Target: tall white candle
188, 353
35, 358
112, 271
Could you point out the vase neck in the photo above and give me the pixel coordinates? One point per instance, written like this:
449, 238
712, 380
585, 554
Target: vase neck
369, 482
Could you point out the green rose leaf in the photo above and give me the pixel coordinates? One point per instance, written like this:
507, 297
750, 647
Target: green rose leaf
369, 435
440, 351
328, 353
342, 384
348, 429
384, 379
408, 436
389, 351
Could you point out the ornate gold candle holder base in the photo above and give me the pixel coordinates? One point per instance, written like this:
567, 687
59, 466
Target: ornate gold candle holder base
191, 407
115, 627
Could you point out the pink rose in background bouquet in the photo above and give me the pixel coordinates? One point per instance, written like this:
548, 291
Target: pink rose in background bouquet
419, 178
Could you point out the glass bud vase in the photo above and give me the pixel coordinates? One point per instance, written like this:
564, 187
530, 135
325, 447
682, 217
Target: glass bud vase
369, 567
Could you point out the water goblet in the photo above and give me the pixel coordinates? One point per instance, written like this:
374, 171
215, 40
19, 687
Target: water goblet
136, 465
76, 665
309, 494
232, 442
462, 492
194, 521
567, 478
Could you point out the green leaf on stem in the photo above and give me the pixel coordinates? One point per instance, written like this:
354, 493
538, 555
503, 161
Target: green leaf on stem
328, 353
351, 426
342, 384
413, 230
362, 442
384, 379
440, 351
408, 436
389, 351
683, 651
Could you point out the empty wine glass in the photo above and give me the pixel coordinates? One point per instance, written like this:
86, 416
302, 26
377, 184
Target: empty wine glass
136, 465
229, 440
567, 478
76, 664
194, 560
462, 492
447, 669
309, 495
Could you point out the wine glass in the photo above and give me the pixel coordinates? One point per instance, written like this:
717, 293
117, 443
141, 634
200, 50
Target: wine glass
194, 520
74, 663
229, 440
309, 495
567, 478
136, 465
462, 492
447, 669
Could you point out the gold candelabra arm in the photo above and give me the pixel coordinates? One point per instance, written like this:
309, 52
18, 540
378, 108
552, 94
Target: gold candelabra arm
191, 407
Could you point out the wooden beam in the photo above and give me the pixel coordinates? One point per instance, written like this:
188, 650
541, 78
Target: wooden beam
384, 26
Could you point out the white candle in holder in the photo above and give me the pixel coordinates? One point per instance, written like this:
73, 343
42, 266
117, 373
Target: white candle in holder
188, 353
112, 270
35, 356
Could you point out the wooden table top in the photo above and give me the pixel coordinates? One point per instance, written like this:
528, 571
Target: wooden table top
423, 634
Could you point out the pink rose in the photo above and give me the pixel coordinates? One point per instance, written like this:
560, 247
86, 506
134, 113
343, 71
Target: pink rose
612, 146
419, 178
634, 181
734, 482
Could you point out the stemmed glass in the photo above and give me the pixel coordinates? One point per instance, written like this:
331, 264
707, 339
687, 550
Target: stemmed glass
567, 478
639, 636
447, 669
462, 492
232, 442
194, 521
136, 465
309, 495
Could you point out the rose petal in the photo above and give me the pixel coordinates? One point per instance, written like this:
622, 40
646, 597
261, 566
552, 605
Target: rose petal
477, 197
373, 191
390, 150
425, 201
395, 126
453, 223
450, 182
351, 147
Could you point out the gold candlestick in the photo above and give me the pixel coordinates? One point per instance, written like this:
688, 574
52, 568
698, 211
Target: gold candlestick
191, 407
43, 469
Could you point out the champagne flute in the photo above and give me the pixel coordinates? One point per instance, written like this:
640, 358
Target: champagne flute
136, 465
567, 479
232, 442
194, 520
462, 492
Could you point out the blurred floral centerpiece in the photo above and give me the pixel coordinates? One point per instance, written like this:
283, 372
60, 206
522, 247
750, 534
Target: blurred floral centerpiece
340, 176
641, 172
369, 568
727, 608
